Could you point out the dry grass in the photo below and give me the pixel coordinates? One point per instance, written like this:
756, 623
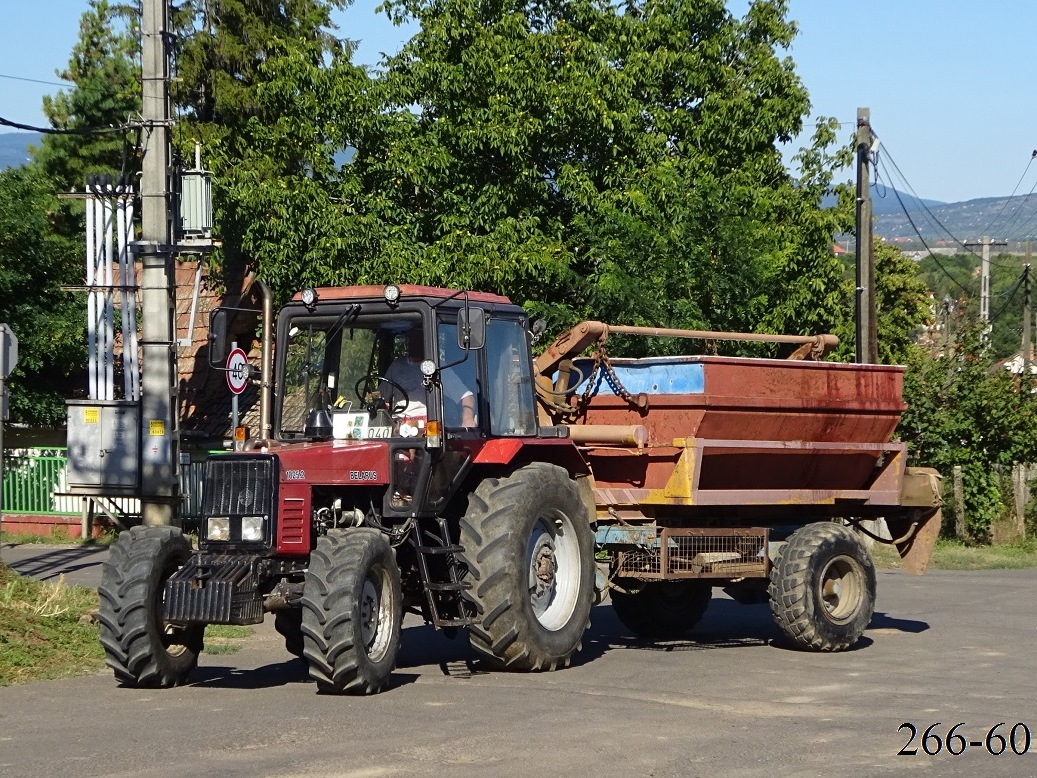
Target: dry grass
955, 555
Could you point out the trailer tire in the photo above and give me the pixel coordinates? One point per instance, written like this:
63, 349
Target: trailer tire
666, 610
822, 590
288, 624
352, 607
529, 553
142, 649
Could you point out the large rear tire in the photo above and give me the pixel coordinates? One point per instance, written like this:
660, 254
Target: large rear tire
142, 648
822, 590
352, 608
529, 551
667, 610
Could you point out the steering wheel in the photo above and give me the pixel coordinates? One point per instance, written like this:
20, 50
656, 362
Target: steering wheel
367, 386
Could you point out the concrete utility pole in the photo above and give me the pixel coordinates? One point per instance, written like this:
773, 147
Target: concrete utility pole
159, 448
867, 338
1027, 315
984, 278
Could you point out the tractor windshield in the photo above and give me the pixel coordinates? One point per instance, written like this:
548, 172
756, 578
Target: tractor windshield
363, 368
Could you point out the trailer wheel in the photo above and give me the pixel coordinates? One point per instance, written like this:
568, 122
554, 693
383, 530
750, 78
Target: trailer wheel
139, 646
665, 610
352, 607
529, 551
822, 590
288, 624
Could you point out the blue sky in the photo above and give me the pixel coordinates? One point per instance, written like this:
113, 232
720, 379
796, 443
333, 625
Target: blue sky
945, 79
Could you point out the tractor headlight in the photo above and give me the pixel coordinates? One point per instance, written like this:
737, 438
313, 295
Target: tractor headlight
251, 528
217, 528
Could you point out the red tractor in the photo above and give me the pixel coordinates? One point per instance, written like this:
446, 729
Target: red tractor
415, 456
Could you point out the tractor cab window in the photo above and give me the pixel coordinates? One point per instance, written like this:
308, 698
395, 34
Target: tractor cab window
362, 372
458, 377
510, 397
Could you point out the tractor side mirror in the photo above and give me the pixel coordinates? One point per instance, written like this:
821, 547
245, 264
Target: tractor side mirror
218, 337
471, 330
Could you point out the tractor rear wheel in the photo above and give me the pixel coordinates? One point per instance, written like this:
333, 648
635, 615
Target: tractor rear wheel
352, 608
664, 610
822, 590
529, 553
142, 648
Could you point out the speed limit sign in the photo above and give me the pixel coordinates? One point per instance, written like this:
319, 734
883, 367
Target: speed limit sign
237, 371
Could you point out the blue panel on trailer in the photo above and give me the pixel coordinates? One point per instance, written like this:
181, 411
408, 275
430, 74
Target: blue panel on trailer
635, 536
657, 375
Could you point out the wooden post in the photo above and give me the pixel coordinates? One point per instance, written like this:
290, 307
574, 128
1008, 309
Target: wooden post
960, 523
1019, 487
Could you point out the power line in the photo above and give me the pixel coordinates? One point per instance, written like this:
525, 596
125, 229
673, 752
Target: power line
925, 208
993, 221
931, 254
74, 131
1010, 295
36, 80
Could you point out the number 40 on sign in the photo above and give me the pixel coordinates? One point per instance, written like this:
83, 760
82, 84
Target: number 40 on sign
237, 371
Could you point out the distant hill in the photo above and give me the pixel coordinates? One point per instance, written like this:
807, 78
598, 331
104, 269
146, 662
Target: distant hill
1013, 219
14, 147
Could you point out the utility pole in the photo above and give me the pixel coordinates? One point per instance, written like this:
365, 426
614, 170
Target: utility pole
984, 279
1027, 314
867, 349
1026, 320
159, 448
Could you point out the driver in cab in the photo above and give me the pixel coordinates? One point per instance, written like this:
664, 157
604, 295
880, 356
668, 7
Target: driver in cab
405, 373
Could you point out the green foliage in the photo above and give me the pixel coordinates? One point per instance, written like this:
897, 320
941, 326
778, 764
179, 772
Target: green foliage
967, 411
955, 281
104, 67
41, 237
35, 260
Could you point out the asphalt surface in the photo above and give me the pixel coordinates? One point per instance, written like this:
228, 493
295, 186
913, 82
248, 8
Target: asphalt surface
735, 700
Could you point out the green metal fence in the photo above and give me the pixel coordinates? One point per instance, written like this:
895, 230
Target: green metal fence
34, 483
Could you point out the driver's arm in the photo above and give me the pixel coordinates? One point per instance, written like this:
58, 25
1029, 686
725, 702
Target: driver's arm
468, 410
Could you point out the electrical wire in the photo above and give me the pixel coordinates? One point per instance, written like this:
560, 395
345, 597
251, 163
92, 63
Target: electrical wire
53, 131
36, 80
997, 216
1010, 295
931, 215
931, 254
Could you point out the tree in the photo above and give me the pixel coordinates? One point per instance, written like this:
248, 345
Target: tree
273, 95
40, 236
964, 410
104, 67
584, 159
49, 323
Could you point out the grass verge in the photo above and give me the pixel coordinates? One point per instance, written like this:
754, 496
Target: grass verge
47, 631
43, 632
955, 555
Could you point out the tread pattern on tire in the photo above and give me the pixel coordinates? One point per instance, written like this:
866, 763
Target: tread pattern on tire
792, 600
506, 633
330, 611
128, 597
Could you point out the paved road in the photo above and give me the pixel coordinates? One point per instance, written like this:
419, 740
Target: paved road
949, 647
80, 564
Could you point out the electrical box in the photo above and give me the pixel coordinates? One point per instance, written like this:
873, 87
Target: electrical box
195, 204
103, 447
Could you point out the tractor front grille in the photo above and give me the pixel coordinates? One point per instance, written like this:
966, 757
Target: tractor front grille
239, 485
